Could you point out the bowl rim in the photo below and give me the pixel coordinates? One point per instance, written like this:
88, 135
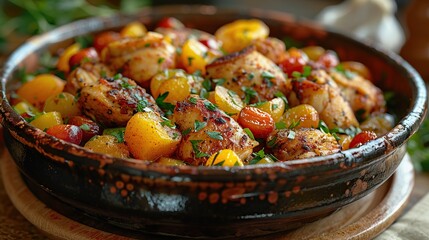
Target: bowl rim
383, 145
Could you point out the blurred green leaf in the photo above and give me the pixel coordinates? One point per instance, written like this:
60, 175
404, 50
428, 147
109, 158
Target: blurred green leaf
418, 147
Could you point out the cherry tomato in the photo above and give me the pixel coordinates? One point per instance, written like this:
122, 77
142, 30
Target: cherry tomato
259, 122
89, 127
210, 43
69, 133
84, 54
362, 138
292, 64
103, 39
328, 59
171, 22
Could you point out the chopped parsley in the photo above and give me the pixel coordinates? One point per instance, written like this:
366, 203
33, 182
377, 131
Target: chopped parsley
197, 151
168, 108
186, 131
250, 76
219, 81
193, 100
215, 135
167, 122
85, 127
282, 97
190, 61
161, 60
142, 105
267, 75
249, 94
199, 125
126, 85
272, 143
207, 84
210, 106
118, 133
249, 132
280, 125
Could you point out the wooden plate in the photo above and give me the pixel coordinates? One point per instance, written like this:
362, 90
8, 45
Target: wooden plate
363, 219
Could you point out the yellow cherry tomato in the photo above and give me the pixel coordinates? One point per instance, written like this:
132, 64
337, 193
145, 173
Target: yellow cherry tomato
47, 120
227, 100
63, 60
194, 56
225, 158
133, 29
107, 144
241, 33
65, 103
301, 116
275, 107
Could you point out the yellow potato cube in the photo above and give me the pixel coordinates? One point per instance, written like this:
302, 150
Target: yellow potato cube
148, 139
41, 88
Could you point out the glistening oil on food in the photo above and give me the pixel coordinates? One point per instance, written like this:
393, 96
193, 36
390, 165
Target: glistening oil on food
178, 96
214, 125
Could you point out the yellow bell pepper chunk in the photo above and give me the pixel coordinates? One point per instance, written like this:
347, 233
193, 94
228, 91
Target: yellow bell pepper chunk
47, 120
225, 158
241, 33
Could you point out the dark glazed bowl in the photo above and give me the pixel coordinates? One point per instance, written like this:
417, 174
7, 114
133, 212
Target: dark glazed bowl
135, 197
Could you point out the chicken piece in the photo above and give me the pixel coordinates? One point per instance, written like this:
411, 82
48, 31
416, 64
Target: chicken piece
363, 96
299, 143
112, 102
272, 48
86, 74
327, 101
209, 131
249, 69
140, 58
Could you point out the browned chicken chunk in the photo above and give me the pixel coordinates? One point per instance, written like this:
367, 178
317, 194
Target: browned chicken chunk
301, 143
112, 102
140, 58
249, 69
207, 130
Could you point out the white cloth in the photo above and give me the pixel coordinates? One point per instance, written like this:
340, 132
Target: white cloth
411, 226
370, 20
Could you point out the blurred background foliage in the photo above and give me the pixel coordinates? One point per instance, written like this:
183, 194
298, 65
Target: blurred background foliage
21, 18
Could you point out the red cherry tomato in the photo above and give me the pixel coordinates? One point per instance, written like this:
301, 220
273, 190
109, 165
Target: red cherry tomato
89, 127
171, 22
292, 64
362, 138
328, 59
84, 54
210, 43
259, 122
103, 39
69, 133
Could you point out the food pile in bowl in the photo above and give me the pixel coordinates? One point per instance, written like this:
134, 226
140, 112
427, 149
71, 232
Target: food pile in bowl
208, 125
179, 95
